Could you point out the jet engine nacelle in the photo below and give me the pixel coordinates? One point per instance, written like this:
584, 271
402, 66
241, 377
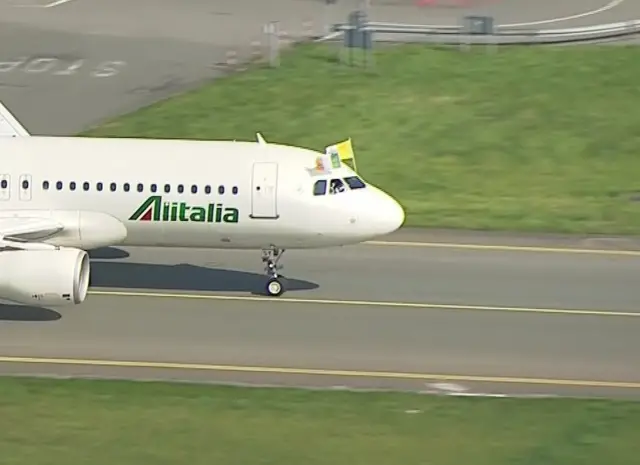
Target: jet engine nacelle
45, 277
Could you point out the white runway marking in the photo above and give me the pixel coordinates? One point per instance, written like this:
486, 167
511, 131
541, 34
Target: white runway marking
609, 6
57, 3
53, 66
46, 5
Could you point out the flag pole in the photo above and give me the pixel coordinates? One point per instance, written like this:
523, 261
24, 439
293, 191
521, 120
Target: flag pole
355, 165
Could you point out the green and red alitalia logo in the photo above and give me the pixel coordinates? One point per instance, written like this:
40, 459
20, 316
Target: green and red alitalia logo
154, 209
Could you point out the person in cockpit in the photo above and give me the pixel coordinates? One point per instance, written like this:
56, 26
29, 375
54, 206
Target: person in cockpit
336, 186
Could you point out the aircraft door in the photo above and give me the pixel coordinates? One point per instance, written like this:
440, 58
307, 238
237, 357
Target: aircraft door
25, 187
5, 187
264, 190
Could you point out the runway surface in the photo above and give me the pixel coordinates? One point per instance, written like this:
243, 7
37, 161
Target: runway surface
437, 317
524, 14
90, 60
95, 59
369, 316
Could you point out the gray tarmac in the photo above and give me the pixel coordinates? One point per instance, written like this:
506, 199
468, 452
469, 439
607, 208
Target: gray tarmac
92, 60
558, 14
480, 321
438, 319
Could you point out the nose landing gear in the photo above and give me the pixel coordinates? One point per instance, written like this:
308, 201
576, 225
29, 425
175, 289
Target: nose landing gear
271, 257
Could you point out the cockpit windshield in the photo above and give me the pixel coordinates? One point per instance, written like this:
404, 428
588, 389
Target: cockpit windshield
337, 185
354, 182
320, 187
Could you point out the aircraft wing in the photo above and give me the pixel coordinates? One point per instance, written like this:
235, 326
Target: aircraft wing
9, 125
15, 231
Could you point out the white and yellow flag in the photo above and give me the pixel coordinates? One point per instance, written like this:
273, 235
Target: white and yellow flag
344, 150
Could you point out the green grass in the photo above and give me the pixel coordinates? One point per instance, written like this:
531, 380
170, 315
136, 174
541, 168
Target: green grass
64, 422
535, 139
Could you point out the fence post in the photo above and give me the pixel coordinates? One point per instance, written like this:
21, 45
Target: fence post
356, 35
271, 30
478, 26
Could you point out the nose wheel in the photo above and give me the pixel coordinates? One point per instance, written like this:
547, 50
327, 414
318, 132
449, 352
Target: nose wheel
274, 287
271, 257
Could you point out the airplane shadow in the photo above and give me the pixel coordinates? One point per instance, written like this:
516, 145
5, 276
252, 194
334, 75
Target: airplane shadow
108, 253
11, 312
183, 277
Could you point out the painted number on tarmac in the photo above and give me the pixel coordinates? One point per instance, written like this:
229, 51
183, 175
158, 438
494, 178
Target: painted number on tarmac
56, 67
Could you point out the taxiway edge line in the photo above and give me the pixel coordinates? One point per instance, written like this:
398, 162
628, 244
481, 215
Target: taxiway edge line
506, 248
366, 303
321, 372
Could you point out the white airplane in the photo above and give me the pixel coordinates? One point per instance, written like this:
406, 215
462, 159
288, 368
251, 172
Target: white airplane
63, 196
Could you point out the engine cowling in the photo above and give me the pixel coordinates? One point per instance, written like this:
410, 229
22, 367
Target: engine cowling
45, 277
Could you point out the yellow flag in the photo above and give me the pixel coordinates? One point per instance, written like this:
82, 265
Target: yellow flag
345, 150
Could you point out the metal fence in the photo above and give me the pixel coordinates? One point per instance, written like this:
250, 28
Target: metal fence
358, 33
474, 30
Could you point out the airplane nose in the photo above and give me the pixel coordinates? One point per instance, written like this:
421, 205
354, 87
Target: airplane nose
393, 215
378, 214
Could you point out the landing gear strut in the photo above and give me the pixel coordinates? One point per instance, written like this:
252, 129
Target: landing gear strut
271, 257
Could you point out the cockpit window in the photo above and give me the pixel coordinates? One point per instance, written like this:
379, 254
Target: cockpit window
355, 182
336, 186
320, 187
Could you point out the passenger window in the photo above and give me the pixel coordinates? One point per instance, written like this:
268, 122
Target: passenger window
59, 185
180, 188
194, 189
113, 187
126, 187
140, 187
207, 189
154, 188
25, 184
167, 188
235, 190
336, 186
85, 186
355, 182
99, 187
72, 185
320, 187
221, 190
45, 184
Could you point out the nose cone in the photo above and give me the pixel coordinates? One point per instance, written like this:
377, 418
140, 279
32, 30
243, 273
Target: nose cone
391, 215
380, 214
372, 213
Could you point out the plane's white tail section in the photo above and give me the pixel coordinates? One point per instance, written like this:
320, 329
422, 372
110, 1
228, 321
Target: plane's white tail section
9, 125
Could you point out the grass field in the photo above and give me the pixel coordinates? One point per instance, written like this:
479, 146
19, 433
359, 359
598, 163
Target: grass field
537, 139
63, 422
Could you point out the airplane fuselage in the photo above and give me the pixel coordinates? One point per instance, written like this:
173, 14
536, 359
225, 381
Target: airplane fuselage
176, 193
63, 196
